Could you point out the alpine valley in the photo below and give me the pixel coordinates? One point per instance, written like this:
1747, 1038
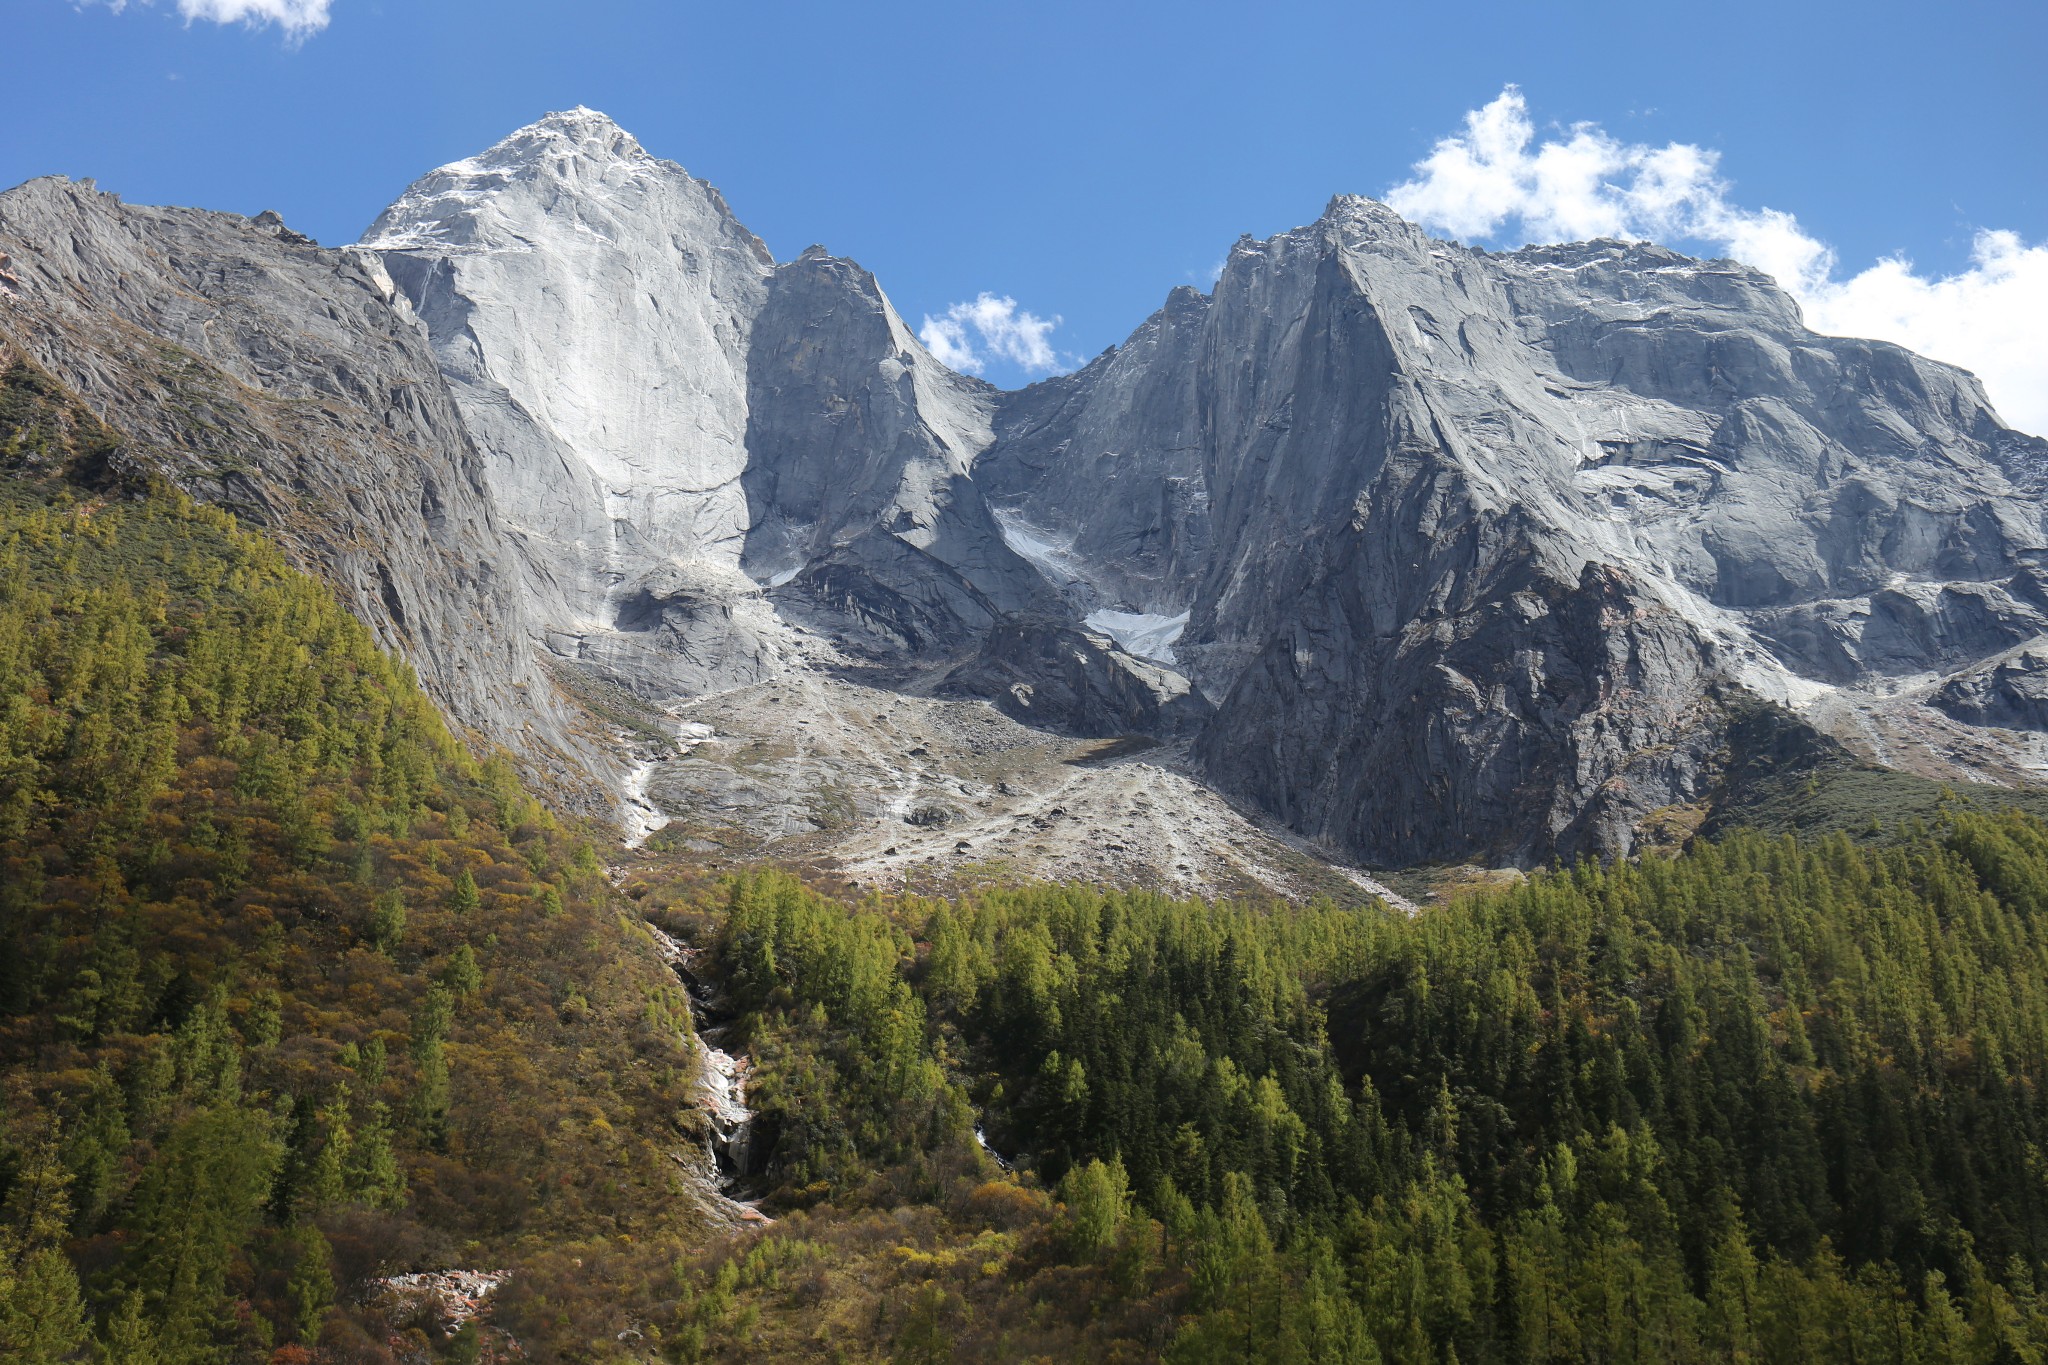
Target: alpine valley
569, 792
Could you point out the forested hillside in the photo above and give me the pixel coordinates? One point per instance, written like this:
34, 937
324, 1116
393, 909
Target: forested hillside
1765, 1101
295, 992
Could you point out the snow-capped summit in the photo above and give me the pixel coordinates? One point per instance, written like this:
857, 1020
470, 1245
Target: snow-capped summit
578, 151
581, 134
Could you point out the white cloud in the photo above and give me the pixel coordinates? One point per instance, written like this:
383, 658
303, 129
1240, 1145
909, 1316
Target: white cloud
299, 19
1991, 319
969, 335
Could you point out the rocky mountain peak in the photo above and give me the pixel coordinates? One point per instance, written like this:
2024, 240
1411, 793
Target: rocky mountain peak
1356, 210
580, 133
576, 168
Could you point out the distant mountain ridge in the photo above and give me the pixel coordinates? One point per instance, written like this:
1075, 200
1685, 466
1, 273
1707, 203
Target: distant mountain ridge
1476, 551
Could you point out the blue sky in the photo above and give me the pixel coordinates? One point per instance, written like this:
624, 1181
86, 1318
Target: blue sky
1082, 159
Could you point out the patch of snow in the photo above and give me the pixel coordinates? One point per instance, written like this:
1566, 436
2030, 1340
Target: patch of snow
1048, 555
1145, 634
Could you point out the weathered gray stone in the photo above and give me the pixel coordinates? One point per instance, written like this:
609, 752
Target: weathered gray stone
1483, 533
1048, 673
2011, 690
274, 377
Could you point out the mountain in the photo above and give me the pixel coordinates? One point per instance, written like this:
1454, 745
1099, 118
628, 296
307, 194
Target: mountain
673, 421
1476, 548
283, 381
1391, 549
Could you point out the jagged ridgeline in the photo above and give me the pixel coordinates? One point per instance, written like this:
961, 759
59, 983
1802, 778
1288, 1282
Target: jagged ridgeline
301, 989
295, 991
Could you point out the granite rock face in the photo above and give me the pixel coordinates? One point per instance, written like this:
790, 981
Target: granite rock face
1111, 455
590, 307
860, 447
676, 426
1049, 673
2010, 690
1485, 535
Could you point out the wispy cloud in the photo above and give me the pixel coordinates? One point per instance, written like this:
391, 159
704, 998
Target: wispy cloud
1495, 179
967, 336
299, 19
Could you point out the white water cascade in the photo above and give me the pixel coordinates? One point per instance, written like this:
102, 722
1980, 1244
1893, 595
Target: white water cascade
721, 1085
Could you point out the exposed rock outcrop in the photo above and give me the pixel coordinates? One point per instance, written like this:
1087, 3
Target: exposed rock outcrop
276, 378
1045, 672
859, 450
1484, 532
2011, 690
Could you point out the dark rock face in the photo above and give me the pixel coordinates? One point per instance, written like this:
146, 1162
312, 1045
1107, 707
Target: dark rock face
1113, 454
859, 446
1535, 717
1044, 672
2011, 690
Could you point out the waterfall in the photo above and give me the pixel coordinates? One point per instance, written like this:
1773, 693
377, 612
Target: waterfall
721, 1084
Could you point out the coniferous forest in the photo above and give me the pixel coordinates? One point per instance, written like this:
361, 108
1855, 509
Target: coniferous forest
301, 990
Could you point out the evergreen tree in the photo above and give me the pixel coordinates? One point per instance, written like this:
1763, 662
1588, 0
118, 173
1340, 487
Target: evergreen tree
387, 921
194, 1206
311, 1287
463, 898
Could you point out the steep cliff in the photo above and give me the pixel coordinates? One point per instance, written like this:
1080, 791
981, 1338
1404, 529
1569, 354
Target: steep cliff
271, 376
674, 424
1484, 535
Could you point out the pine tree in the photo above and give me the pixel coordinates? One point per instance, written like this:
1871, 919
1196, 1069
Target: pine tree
195, 1205
373, 1176
462, 897
42, 1315
128, 1338
461, 975
387, 921
311, 1286
1097, 1201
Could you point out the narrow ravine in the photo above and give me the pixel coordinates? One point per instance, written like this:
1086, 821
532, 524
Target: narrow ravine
721, 1085
981, 1141
641, 816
